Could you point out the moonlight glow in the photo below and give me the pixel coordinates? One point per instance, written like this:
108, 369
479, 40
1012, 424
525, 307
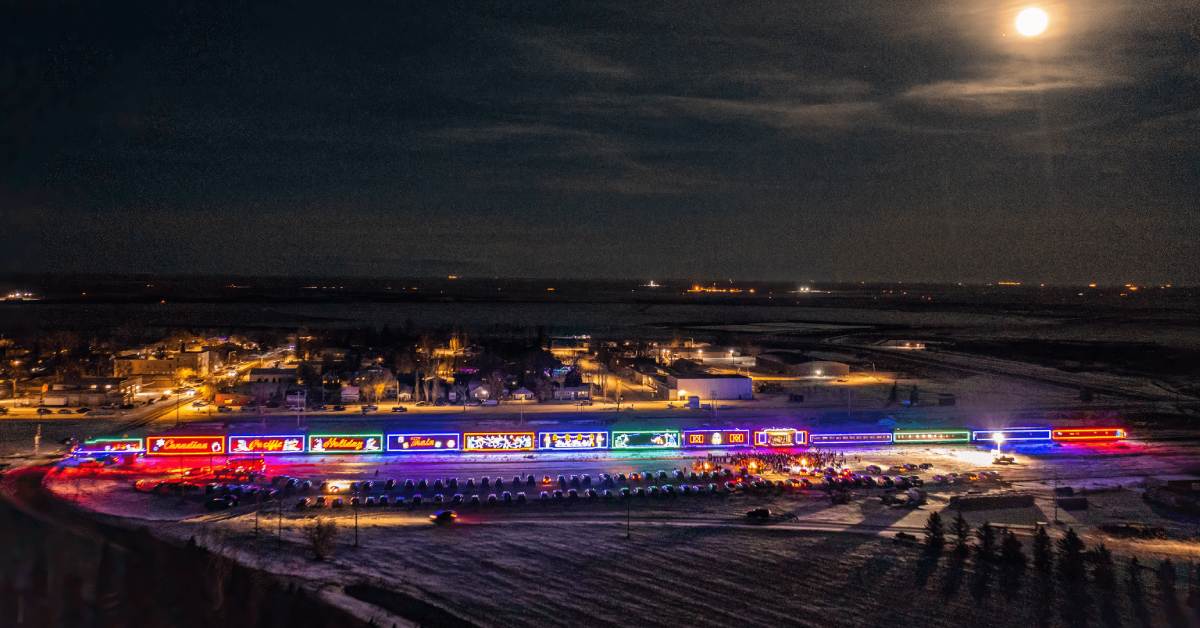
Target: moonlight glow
1032, 22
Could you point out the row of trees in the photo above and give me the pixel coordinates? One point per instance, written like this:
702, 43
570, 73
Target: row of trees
1065, 566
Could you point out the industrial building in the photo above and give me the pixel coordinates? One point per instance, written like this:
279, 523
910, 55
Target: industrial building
799, 365
706, 387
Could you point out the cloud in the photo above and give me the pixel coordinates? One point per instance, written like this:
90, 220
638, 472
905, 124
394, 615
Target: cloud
1011, 87
570, 57
504, 132
780, 114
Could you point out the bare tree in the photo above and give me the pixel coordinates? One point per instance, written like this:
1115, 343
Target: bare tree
321, 536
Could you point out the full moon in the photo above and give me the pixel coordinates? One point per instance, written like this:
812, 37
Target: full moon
1032, 22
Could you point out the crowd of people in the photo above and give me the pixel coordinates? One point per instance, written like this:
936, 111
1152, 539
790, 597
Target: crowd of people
782, 462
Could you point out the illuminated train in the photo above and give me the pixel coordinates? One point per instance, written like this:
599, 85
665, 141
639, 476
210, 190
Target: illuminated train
616, 440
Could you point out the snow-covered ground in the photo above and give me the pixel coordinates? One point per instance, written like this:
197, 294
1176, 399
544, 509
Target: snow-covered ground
688, 560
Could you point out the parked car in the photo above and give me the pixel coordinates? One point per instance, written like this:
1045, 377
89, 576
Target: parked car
759, 515
221, 502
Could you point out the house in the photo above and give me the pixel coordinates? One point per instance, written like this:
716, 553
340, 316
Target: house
572, 393
522, 394
269, 384
349, 394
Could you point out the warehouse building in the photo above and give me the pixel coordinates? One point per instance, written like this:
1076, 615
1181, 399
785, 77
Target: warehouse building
798, 365
706, 387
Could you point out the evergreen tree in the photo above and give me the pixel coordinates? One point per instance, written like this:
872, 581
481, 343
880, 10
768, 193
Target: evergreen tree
1070, 558
1165, 574
1012, 554
1043, 558
962, 534
1072, 570
986, 550
1134, 575
1193, 598
1102, 569
1194, 588
1012, 564
935, 535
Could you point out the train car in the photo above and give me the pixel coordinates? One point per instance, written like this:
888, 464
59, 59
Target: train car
423, 443
266, 444
850, 438
499, 441
701, 439
1011, 434
645, 439
1089, 434
175, 445
780, 437
931, 436
572, 441
345, 443
93, 446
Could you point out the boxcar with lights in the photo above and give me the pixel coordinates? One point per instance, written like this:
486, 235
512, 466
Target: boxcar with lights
1011, 434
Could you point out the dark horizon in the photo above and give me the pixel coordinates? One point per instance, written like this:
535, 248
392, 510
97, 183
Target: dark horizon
32, 280
867, 142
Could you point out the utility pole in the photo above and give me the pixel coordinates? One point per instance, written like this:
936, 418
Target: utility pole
1054, 496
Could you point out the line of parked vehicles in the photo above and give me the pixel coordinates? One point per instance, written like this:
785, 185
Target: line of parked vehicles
413, 493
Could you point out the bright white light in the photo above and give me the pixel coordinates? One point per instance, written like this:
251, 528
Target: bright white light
1032, 22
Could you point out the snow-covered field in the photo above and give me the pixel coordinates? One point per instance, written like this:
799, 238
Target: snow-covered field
688, 560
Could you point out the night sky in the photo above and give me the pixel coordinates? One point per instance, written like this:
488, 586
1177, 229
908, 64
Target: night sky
767, 140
